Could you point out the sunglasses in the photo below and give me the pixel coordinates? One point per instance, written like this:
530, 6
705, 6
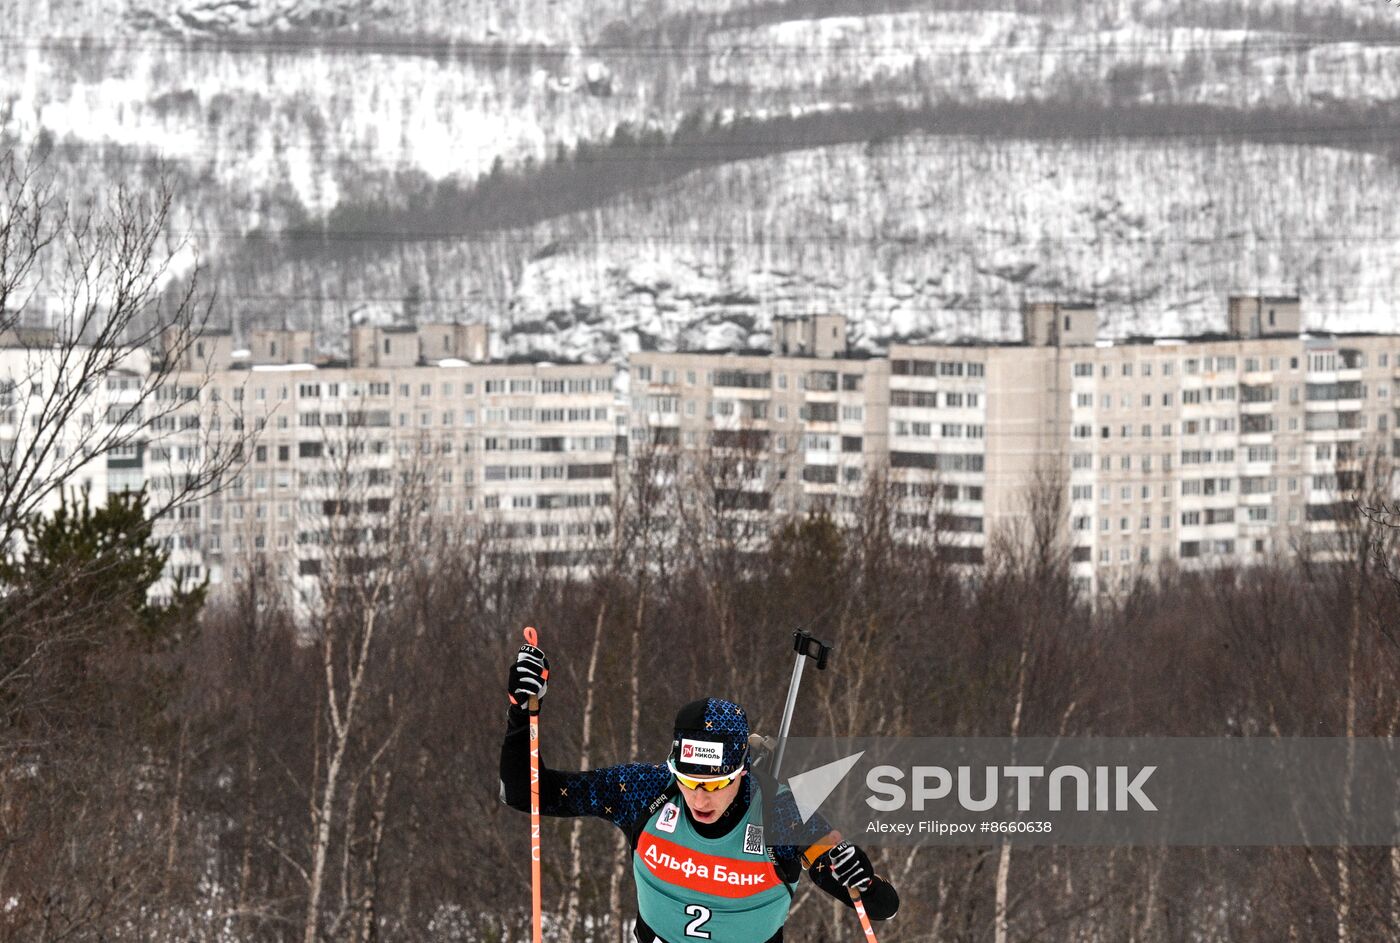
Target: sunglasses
709, 785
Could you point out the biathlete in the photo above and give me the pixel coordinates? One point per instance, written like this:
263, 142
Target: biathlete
694, 824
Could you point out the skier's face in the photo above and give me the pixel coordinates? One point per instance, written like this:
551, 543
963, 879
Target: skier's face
709, 806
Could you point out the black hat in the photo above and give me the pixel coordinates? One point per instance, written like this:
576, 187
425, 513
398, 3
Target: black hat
711, 739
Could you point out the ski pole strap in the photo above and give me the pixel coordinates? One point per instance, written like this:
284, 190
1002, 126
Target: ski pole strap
822, 845
864, 917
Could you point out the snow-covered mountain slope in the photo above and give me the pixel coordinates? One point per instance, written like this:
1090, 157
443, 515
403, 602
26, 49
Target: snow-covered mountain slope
543, 21
918, 238
296, 114
334, 121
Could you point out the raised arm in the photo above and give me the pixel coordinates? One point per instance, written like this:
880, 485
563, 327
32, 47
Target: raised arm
615, 793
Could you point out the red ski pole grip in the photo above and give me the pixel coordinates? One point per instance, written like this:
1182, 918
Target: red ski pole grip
531, 636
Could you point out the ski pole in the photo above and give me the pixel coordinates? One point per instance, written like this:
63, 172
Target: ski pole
806, 647
864, 918
533, 638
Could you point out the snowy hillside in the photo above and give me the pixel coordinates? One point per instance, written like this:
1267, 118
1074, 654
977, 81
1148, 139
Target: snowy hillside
920, 238
278, 117
333, 122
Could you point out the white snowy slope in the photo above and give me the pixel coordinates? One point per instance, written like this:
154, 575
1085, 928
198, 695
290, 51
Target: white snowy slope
927, 238
919, 238
335, 122
273, 113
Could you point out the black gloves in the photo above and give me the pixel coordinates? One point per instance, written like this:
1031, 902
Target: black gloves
849, 865
844, 868
529, 676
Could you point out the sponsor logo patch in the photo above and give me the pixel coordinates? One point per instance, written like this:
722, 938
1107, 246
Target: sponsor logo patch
670, 815
702, 752
753, 839
709, 874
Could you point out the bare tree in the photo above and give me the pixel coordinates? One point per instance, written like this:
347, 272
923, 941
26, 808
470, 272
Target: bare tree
371, 542
82, 303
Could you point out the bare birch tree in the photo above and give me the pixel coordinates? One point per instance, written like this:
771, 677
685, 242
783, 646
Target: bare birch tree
82, 300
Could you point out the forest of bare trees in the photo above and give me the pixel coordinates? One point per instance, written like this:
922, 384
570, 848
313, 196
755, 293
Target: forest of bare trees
325, 769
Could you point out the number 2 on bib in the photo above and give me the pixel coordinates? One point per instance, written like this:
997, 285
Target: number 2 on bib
701, 915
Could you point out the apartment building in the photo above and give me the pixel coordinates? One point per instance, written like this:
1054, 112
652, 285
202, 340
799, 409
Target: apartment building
1224, 448
794, 430
58, 420
528, 449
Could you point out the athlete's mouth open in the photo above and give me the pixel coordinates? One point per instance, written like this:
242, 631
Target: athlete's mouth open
705, 817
